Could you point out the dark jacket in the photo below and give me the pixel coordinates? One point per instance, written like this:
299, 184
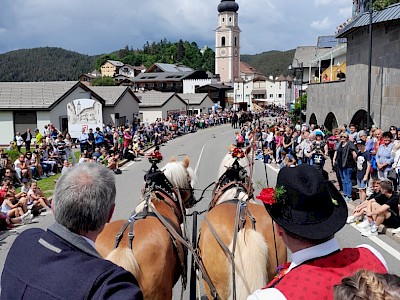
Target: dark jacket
58, 264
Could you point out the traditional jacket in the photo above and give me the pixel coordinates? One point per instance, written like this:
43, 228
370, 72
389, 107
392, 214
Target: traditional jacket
315, 279
313, 276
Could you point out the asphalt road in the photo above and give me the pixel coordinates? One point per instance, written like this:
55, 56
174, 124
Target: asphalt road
206, 149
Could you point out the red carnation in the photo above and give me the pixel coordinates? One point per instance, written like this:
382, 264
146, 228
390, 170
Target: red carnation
238, 153
267, 196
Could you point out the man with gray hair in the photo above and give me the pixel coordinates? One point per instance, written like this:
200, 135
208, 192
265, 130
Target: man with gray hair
62, 263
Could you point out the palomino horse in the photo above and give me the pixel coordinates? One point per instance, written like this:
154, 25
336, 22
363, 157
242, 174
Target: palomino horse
257, 249
148, 249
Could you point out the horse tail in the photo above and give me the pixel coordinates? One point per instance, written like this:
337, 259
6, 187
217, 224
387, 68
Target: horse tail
125, 258
251, 258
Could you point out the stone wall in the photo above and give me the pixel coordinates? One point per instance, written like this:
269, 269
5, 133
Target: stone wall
344, 99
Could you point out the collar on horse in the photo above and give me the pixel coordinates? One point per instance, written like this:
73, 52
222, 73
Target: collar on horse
234, 177
158, 183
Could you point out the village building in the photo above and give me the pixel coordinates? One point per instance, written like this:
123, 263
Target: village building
157, 105
198, 103
36, 104
166, 78
342, 101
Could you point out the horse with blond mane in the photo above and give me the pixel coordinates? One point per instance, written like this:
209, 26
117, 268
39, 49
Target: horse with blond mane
237, 244
146, 244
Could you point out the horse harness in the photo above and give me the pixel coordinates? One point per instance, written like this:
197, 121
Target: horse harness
234, 177
158, 184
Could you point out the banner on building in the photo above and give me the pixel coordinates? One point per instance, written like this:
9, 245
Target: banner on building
84, 113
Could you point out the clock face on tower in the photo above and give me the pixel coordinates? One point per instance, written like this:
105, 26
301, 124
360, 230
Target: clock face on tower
222, 52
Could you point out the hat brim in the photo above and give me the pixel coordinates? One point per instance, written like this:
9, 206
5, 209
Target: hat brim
315, 231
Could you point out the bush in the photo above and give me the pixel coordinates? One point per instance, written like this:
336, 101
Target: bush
12, 154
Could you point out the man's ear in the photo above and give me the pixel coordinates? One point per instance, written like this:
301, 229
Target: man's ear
279, 229
111, 213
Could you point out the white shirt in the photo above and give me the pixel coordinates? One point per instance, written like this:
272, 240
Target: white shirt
304, 255
19, 140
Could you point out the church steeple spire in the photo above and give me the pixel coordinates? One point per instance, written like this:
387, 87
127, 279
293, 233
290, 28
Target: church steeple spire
227, 42
228, 5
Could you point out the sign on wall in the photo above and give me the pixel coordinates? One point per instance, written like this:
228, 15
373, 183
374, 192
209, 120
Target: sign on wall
84, 113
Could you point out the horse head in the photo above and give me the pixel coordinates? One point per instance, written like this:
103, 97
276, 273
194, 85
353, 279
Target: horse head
233, 177
182, 178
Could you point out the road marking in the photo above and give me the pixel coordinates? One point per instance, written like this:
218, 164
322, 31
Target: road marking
276, 170
127, 165
198, 161
389, 249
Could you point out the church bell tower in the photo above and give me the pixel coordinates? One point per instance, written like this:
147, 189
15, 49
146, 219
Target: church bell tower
227, 42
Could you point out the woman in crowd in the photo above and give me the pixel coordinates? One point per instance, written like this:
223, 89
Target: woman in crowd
345, 160
68, 148
384, 158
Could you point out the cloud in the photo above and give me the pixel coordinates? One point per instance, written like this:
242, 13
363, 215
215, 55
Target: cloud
346, 12
322, 2
322, 25
102, 26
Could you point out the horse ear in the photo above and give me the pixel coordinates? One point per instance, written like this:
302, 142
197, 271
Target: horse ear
172, 159
231, 147
186, 162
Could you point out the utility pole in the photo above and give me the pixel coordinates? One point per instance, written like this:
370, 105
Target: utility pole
369, 67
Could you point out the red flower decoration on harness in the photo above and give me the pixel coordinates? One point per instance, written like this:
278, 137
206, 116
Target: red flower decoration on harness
271, 196
155, 157
238, 153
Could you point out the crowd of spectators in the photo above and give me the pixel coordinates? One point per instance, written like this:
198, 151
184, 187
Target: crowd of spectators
359, 159
31, 157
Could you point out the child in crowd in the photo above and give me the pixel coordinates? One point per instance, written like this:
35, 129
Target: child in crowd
363, 169
361, 209
37, 199
12, 207
268, 155
366, 285
25, 187
66, 167
386, 213
287, 160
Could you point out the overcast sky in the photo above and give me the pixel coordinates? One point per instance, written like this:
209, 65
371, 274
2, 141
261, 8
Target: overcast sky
102, 26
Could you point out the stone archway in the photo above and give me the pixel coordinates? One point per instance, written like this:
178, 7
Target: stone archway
330, 122
313, 119
360, 119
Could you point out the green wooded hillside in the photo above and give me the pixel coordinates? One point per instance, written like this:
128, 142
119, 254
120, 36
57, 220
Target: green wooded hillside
44, 64
272, 62
57, 64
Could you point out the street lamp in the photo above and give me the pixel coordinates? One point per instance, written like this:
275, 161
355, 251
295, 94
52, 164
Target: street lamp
299, 81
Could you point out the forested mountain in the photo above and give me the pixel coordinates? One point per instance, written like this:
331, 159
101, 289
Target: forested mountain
182, 52
272, 62
53, 64
44, 64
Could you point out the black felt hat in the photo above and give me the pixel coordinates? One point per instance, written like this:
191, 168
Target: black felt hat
310, 207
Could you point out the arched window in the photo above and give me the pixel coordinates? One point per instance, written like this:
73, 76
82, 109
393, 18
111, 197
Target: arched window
223, 41
235, 41
230, 20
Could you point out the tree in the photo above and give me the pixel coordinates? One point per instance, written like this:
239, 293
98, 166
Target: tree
381, 4
300, 103
103, 81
